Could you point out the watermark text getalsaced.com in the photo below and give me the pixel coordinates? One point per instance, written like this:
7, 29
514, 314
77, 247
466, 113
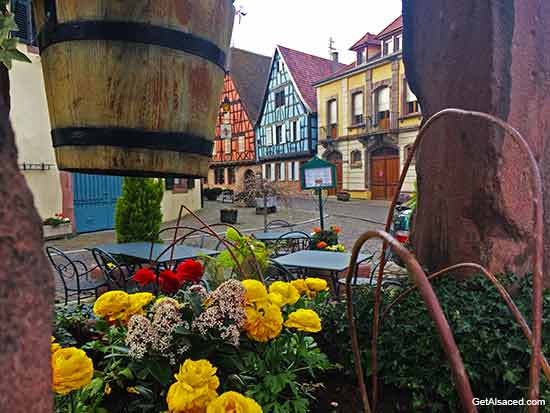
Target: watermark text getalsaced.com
493, 401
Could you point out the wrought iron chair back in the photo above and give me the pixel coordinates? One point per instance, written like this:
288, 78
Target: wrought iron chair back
292, 241
118, 275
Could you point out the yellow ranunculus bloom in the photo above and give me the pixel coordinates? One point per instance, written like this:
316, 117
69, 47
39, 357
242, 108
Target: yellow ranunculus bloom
316, 284
263, 322
304, 320
136, 302
54, 346
282, 293
132, 390
112, 305
72, 369
194, 389
255, 291
108, 389
233, 402
300, 285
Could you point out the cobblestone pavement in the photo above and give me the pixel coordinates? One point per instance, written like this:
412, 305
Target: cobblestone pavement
354, 217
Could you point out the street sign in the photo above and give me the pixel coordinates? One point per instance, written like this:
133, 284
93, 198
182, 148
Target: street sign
318, 174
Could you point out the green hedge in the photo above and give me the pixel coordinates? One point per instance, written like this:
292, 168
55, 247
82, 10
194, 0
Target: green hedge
411, 361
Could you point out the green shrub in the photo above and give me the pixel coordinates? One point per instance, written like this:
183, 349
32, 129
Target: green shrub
138, 211
411, 361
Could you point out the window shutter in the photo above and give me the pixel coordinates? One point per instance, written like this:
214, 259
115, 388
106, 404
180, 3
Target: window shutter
273, 171
274, 134
169, 184
409, 94
296, 171
357, 104
289, 171
383, 99
283, 170
263, 171
268, 136
22, 11
283, 133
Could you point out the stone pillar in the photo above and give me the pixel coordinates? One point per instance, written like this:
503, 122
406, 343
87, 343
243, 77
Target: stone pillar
474, 193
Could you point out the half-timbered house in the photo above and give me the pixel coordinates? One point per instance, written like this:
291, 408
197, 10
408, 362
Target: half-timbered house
286, 130
234, 157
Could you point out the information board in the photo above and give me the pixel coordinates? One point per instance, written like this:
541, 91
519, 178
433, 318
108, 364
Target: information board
318, 177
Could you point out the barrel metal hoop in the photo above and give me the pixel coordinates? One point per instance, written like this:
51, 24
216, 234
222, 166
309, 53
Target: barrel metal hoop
132, 138
131, 32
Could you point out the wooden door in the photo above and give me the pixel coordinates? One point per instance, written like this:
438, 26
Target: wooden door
384, 176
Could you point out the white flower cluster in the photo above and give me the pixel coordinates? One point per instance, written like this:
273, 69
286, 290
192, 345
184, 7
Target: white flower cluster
225, 313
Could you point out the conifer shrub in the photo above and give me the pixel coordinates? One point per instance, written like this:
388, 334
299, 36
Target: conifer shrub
138, 210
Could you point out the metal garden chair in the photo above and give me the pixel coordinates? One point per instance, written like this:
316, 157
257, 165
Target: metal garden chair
75, 276
290, 242
117, 274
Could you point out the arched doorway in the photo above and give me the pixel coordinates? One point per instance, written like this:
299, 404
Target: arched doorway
384, 172
335, 158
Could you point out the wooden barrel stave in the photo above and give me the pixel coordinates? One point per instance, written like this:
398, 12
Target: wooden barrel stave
115, 84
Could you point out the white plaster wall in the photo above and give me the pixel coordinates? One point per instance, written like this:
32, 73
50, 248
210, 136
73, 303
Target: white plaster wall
354, 178
407, 138
171, 202
29, 116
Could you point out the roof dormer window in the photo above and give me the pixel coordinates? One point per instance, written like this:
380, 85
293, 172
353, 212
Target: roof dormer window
361, 56
388, 46
398, 42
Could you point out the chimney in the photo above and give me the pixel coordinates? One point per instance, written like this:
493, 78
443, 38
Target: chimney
334, 57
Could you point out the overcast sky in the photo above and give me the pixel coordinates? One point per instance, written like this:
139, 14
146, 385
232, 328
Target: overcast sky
307, 25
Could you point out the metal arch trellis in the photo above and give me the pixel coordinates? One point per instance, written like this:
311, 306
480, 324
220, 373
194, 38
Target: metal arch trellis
430, 299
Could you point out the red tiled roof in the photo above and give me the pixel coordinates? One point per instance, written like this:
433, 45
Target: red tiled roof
307, 69
393, 26
367, 39
344, 69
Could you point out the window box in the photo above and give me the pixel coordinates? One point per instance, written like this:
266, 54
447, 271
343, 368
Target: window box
57, 231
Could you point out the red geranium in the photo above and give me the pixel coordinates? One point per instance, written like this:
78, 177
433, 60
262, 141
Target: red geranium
144, 276
336, 229
169, 282
317, 230
190, 270
322, 245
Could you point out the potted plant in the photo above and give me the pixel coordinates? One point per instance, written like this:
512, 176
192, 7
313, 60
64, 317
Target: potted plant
57, 226
212, 194
326, 240
343, 196
267, 198
228, 215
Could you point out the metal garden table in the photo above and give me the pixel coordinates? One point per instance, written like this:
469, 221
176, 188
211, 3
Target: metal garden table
334, 262
142, 251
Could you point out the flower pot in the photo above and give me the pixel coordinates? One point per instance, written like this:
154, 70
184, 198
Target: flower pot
139, 120
57, 231
343, 196
271, 204
228, 216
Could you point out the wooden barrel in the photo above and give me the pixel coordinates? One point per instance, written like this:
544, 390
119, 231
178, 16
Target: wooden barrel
133, 86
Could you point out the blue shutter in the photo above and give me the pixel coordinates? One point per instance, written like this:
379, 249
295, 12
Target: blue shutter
22, 11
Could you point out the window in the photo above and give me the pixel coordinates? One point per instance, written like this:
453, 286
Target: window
241, 144
277, 171
22, 11
191, 183
355, 159
227, 146
267, 175
219, 176
357, 108
296, 171
332, 121
280, 98
294, 136
382, 107
388, 46
398, 42
361, 56
278, 134
268, 136
410, 100
180, 185
231, 179
290, 171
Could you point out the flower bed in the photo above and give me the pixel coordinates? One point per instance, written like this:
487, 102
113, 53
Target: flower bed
326, 240
238, 346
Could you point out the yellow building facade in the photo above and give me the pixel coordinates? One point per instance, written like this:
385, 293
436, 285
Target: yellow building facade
368, 117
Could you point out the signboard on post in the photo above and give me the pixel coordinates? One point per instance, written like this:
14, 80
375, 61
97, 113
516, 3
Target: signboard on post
318, 174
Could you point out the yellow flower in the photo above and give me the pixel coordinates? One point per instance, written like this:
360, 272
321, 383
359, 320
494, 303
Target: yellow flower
112, 305
136, 302
316, 284
107, 389
194, 389
304, 320
72, 369
300, 285
233, 402
263, 322
54, 346
132, 390
282, 293
255, 291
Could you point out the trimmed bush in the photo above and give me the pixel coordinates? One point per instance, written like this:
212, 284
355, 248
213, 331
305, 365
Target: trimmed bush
138, 211
411, 361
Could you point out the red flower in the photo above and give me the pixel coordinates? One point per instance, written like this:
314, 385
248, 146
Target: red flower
144, 276
322, 245
336, 229
169, 282
317, 230
190, 270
